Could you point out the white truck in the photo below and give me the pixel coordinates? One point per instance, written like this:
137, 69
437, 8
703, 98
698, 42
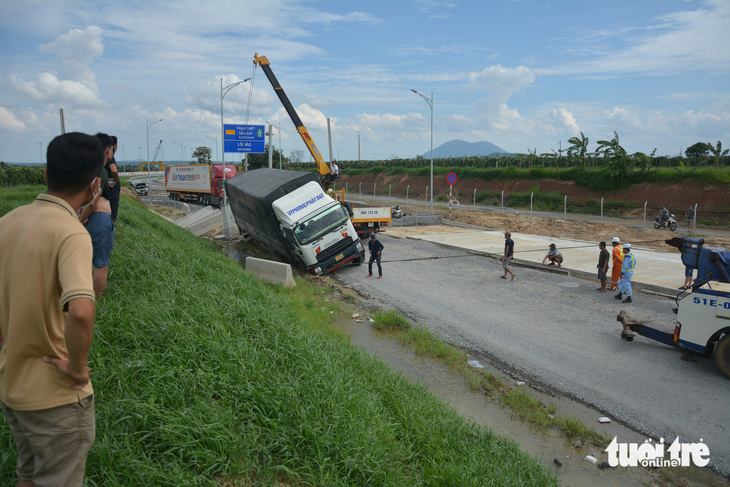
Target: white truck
290, 214
703, 311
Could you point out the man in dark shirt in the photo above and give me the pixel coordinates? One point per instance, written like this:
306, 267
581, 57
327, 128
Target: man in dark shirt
376, 249
112, 194
509, 250
602, 266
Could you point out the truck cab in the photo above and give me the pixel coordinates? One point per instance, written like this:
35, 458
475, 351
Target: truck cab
317, 229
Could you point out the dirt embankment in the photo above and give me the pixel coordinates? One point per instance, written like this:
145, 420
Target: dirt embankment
677, 197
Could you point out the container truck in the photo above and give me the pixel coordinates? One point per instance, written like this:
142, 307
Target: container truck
197, 182
290, 215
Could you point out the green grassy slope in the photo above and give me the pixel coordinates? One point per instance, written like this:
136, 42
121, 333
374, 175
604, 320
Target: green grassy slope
203, 374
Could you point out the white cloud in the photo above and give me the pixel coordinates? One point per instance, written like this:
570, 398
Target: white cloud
680, 42
562, 121
9, 122
74, 52
49, 89
75, 83
502, 82
390, 121
622, 118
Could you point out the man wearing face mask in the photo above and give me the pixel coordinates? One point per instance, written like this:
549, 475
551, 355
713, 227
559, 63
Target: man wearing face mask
100, 225
47, 310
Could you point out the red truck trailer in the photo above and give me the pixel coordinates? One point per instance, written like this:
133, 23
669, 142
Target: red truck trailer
197, 182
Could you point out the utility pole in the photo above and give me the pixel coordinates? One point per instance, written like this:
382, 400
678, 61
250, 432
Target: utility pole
358, 146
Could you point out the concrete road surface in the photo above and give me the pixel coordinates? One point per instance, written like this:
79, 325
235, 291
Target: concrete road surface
559, 334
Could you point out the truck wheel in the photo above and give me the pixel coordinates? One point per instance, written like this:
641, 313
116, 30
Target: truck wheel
722, 355
673, 226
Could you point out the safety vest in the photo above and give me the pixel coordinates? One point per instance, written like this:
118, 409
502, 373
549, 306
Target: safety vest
632, 262
618, 257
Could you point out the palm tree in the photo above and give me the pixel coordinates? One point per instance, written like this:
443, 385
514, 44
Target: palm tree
616, 155
580, 147
717, 153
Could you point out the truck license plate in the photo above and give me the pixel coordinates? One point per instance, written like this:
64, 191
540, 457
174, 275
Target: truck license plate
340, 257
370, 224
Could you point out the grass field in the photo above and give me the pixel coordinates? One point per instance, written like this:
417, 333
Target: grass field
205, 376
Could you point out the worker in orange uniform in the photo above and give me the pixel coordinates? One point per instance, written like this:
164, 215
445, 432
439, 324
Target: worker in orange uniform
617, 257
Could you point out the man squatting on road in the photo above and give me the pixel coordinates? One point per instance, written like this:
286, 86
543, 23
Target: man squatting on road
98, 220
618, 257
376, 250
627, 272
554, 255
47, 312
509, 250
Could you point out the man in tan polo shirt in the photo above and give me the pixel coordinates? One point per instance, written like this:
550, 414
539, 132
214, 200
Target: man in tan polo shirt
47, 312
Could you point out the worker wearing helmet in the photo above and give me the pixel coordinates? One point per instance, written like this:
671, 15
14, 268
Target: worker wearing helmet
627, 272
617, 259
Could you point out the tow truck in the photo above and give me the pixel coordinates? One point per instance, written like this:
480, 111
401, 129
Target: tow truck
365, 219
703, 310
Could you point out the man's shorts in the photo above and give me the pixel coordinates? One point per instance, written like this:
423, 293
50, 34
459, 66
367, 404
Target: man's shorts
505, 263
688, 271
602, 275
53, 443
101, 228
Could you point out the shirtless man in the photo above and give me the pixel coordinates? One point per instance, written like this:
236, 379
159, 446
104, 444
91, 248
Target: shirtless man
99, 224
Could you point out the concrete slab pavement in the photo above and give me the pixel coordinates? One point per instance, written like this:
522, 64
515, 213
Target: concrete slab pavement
656, 270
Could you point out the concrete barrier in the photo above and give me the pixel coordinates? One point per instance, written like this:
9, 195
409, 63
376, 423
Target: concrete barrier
275, 272
201, 221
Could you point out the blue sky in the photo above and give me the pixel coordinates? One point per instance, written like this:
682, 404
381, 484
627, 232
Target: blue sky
515, 73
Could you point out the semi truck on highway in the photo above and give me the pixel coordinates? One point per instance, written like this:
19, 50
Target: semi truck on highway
290, 215
703, 311
197, 182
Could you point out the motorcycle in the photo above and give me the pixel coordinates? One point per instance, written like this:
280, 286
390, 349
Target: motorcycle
396, 212
670, 223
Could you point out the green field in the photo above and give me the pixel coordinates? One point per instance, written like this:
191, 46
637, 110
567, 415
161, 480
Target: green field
203, 376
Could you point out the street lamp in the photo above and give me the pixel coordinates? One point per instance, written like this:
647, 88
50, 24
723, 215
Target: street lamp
216, 145
40, 150
182, 156
149, 165
430, 103
224, 92
278, 128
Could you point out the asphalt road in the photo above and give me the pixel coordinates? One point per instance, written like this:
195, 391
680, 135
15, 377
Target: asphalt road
560, 335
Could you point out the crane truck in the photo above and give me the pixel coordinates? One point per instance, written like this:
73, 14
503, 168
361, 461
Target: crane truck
365, 220
703, 310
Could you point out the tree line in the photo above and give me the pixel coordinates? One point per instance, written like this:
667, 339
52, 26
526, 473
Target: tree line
609, 154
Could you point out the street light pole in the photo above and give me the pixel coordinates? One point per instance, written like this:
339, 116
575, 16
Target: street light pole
224, 92
278, 127
216, 145
40, 150
430, 104
149, 165
182, 156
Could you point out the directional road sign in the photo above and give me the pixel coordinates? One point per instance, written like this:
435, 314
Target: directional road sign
451, 178
244, 138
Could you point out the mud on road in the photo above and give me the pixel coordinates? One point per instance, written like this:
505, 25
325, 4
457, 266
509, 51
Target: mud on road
557, 334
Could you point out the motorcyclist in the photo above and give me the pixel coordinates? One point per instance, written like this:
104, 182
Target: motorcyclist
664, 215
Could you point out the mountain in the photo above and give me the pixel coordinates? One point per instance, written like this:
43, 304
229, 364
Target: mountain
457, 148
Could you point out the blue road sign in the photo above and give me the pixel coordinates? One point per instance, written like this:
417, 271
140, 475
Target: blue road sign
451, 178
244, 138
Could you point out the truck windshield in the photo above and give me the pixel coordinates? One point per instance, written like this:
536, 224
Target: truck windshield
319, 225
